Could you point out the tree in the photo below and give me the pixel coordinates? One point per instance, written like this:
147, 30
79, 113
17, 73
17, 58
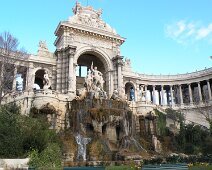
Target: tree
20, 134
9, 55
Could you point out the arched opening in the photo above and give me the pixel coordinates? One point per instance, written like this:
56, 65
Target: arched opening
39, 74
40, 79
104, 128
118, 131
89, 129
130, 91
84, 63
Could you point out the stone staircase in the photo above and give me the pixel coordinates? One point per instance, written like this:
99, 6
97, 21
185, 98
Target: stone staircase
165, 167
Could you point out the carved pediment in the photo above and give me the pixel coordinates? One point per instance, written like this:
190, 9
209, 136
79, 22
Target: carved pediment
89, 17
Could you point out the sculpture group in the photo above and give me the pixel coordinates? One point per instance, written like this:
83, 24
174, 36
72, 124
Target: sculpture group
94, 85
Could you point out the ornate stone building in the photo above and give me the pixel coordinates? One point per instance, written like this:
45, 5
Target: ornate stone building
85, 39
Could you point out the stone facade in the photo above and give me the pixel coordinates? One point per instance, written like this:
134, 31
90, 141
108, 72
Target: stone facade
85, 39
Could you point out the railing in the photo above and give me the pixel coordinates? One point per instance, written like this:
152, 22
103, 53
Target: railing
173, 106
165, 167
45, 92
10, 97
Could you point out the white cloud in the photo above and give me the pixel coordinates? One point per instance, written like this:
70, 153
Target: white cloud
204, 32
185, 32
176, 29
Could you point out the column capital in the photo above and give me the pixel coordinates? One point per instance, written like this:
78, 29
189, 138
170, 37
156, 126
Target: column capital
118, 60
71, 52
31, 65
71, 55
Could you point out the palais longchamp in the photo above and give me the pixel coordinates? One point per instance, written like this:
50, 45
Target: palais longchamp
87, 60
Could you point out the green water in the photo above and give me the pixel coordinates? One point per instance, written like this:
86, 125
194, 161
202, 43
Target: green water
84, 168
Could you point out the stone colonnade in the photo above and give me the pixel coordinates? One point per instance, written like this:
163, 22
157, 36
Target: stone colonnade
27, 72
179, 94
9, 74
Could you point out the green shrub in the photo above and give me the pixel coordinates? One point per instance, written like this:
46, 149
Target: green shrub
49, 158
21, 134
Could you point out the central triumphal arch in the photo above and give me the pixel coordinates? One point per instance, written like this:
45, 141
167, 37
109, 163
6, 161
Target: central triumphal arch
82, 40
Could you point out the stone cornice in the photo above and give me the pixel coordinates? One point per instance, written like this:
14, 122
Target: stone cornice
88, 30
173, 79
72, 49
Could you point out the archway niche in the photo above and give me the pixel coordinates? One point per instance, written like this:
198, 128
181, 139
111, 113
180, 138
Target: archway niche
39, 79
130, 91
84, 63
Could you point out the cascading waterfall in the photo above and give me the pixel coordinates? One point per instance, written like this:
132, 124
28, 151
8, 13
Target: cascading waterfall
107, 121
81, 142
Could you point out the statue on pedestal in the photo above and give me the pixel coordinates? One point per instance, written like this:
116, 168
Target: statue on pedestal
46, 81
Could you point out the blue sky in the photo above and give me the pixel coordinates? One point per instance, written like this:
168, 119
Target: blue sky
162, 36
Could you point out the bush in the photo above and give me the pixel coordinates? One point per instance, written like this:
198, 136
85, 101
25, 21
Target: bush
49, 158
21, 134
10, 133
207, 148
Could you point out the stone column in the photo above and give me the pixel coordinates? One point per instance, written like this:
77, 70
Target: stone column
181, 95
141, 95
54, 74
118, 62
58, 53
209, 89
162, 96
153, 95
63, 72
120, 82
172, 98
70, 73
190, 93
200, 92
30, 77
14, 78
137, 96
145, 87
74, 78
